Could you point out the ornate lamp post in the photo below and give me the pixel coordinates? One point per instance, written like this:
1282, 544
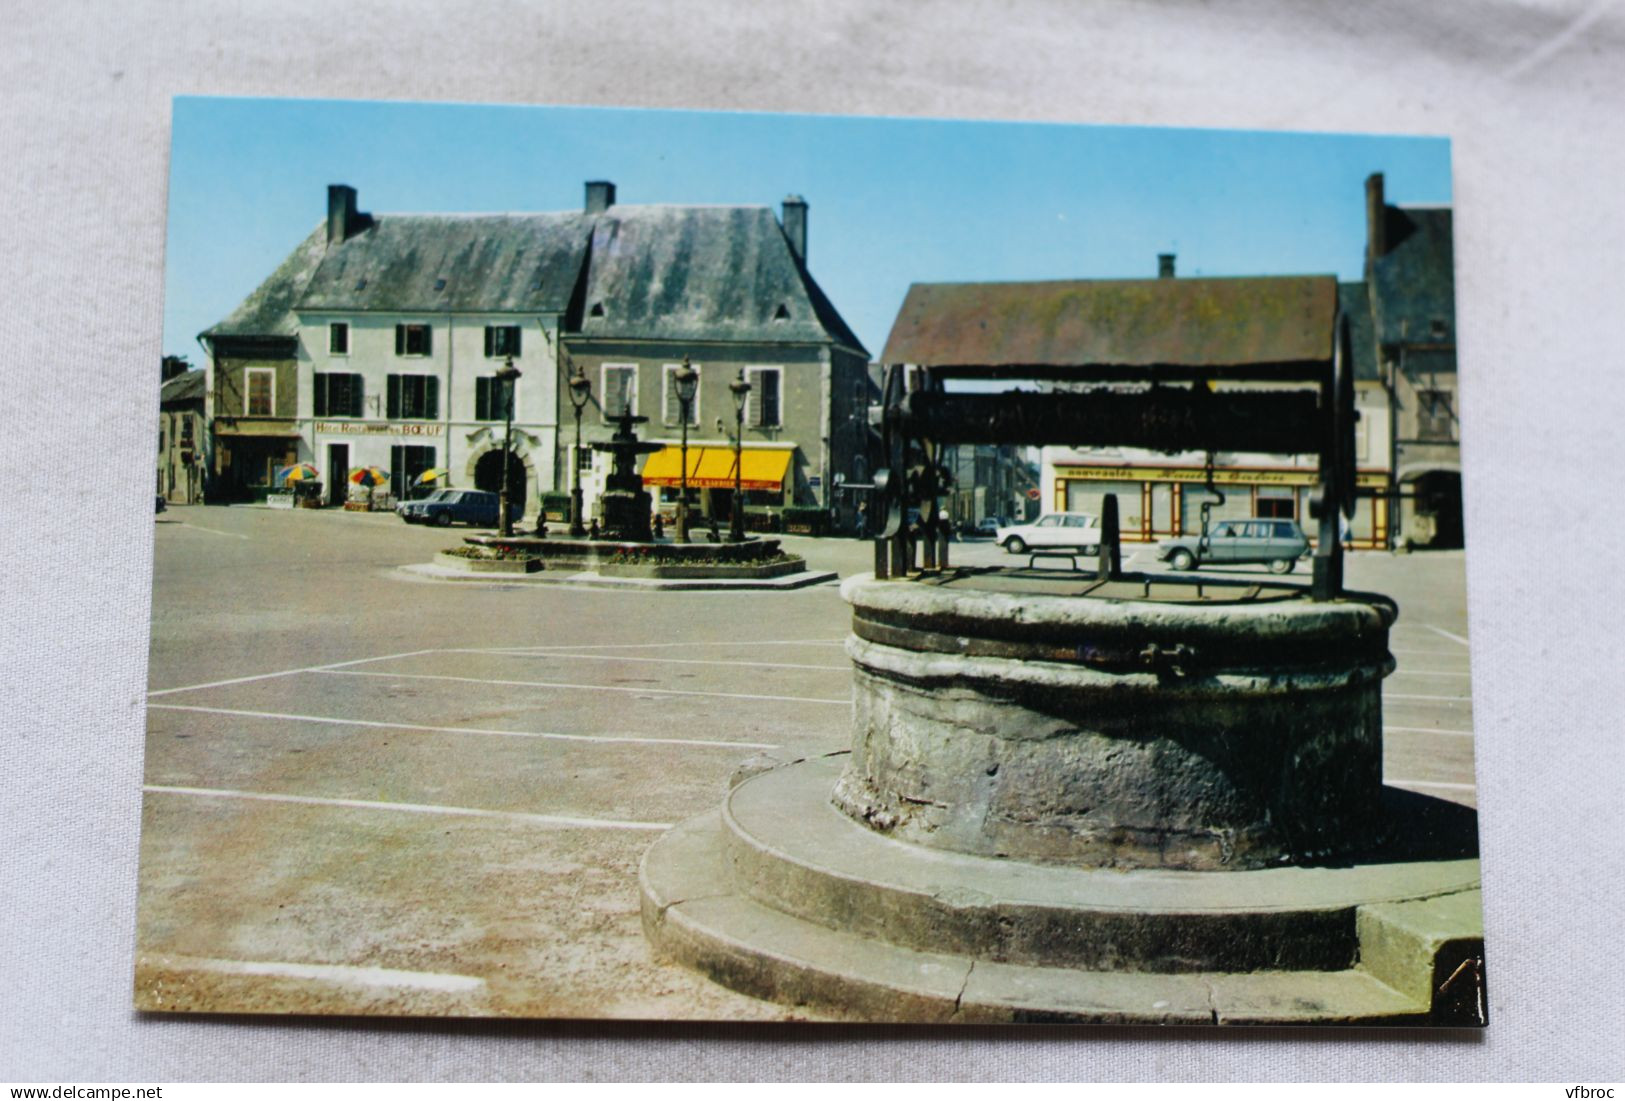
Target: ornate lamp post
580, 391
507, 374
686, 380
740, 390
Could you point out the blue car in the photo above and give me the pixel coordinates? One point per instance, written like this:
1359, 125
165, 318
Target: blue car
445, 507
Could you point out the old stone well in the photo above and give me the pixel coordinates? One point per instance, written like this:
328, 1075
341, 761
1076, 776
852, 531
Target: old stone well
1142, 799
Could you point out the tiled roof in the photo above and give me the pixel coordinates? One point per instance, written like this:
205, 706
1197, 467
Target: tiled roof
1413, 284
186, 386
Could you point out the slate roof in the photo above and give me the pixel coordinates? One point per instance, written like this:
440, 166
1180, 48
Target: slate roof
492, 263
1355, 299
1117, 323
268, 311
186, 386
1414, 285
653, 272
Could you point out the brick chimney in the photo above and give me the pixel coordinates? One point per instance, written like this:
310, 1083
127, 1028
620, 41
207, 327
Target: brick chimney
600, 196
343, 219
794, 221
1376, 219
1165, 265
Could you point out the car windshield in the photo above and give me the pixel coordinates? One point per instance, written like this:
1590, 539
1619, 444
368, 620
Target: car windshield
443, 495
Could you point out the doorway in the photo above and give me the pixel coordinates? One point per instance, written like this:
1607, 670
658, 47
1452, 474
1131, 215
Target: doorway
488, 476
338, 472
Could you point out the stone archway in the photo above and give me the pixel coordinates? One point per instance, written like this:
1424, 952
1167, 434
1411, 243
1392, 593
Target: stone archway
484, 471
1433, 514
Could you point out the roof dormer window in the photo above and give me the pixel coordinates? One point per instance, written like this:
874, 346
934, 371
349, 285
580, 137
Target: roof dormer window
597, 309
439, 284
782, 313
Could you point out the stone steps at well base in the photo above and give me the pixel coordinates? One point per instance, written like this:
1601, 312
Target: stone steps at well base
692, 913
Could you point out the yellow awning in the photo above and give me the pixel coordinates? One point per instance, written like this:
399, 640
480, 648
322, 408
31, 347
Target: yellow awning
713, 468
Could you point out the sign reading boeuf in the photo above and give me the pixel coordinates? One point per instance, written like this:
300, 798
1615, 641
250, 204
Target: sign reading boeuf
377, 428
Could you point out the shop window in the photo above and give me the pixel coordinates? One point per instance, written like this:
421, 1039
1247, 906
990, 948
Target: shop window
672, 406
491, 399
414, 397
501, 341
1434, 416
338, 339
412, 340
338, 395
1276, 503
619, 385
762, 406
261, 393
406, 462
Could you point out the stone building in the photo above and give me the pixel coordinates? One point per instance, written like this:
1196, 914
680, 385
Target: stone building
377, 340
182, 434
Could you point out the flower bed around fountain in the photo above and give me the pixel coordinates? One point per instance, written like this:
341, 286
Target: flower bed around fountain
750, 560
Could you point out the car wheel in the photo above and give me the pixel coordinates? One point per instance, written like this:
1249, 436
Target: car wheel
442, 519
1182, 560
1283, 565
1015, 545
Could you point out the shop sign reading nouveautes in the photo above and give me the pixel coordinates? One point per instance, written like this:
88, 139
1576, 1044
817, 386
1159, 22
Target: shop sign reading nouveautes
362, 428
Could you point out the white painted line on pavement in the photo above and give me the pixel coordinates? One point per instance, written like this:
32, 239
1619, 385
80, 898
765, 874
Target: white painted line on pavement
412, 808
1427, 673
1446, 634
660, 661
743, 642
327, 972
629, 739
1428, 730
1402, 696
640, 690
211, 531
283, 673
1429, 784
1426, 653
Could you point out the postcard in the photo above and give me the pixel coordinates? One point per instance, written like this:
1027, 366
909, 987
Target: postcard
667, 565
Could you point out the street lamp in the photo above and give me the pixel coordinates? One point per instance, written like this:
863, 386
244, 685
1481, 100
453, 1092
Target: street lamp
507, 374
741, 390
686, 380
580, 391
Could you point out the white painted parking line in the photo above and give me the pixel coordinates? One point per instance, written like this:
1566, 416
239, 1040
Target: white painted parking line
641, 690
565, 821
1427, 653
1427, 730
660, 661
630, 739
1429, 784
1403, 696
1446, 634
325, 972
741, 643
211, 531
1427, 673
282, 673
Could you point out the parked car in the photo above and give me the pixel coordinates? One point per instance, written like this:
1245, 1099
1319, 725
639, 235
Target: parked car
1079, 530
162, 504
989, 526
444, 507
1277, 543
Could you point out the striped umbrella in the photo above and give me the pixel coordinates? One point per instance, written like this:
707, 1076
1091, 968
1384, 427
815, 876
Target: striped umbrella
434, 476
369, 476
298, 472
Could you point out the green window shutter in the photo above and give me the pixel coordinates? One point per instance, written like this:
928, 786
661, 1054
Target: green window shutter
431, 400
400, 340
394, 397
482, 399
321, 395
513, 339
428, 339
490, 339
355, 395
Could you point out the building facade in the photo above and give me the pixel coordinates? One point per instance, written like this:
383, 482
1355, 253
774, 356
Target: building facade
378, 341
182, 434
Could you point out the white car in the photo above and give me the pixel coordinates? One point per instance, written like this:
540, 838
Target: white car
1080, 530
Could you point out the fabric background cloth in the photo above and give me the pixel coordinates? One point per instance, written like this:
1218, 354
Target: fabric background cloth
1531, 93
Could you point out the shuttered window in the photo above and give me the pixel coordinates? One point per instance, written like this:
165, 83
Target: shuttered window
338, 395
261, 393
489, 399
762, 406
414, 397
673, 412
412, 340
619, 385
501, 341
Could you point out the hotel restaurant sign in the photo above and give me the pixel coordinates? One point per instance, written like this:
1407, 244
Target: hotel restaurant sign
376, 428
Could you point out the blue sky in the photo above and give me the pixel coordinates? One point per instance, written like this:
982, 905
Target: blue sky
891, 201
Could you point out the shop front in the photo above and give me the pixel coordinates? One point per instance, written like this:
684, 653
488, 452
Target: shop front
1156, 502
247, 455
763, 477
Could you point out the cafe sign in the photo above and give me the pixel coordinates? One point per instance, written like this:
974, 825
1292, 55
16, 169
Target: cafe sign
375, 428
